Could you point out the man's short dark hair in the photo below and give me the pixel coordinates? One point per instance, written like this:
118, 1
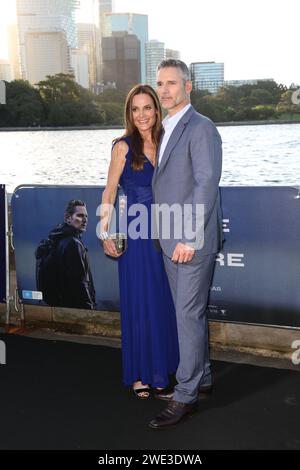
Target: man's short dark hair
177, 64
70, 209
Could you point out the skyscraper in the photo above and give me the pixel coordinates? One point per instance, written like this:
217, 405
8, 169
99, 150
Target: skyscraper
104, 6
82, 74
172, 54
132, 23
5, 70
121, 60
155, 53
207, 76
13, 51
47, 53
47, 35
87, 46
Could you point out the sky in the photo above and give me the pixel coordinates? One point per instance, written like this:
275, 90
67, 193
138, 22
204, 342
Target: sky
254, 39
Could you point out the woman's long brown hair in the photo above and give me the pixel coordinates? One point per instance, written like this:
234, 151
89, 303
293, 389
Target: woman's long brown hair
131, 130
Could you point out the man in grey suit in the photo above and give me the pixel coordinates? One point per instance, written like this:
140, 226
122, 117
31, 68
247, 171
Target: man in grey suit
188, 171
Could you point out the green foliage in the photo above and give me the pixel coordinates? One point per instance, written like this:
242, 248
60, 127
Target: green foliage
74, 114
265, 112
113, 113
261, 96
264, 101
289, 116
62, 88
112, 95
274, 89
24, 106
209, 106
60, 101
285, 104
229, 96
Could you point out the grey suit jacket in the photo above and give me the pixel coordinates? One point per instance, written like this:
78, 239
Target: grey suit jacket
189, 173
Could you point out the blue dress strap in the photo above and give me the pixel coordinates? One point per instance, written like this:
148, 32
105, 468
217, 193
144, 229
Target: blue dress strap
126, 139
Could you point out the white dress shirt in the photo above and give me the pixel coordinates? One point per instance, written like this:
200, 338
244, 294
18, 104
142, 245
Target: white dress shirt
169, 124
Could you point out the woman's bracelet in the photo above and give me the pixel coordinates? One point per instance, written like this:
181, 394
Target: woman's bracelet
103, 236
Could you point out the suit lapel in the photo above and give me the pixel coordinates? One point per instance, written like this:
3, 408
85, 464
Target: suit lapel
158, 150
175, 136
157, 156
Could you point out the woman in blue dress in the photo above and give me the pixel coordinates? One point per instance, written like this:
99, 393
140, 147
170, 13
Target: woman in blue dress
148, 323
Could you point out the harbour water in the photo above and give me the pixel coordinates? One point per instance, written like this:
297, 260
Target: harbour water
253, 156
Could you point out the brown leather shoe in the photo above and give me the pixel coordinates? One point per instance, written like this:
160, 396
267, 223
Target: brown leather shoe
173, 414
167, 393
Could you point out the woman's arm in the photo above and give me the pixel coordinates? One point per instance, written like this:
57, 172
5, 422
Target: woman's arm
115, 170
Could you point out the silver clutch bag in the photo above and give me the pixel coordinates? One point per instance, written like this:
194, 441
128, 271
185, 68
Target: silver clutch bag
120, 241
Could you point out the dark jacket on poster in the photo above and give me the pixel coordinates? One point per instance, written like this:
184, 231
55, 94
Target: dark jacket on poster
75, 279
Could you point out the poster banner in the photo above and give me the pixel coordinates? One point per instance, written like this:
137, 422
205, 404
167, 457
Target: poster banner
2, 245
257, 274
87, 276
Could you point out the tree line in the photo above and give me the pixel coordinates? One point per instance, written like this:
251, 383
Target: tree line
60, 101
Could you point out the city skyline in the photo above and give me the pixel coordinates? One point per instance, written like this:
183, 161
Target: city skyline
257, 42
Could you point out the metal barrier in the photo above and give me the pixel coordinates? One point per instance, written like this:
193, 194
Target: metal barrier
4, 252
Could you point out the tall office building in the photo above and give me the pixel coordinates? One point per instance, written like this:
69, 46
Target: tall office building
47, 53
172, 54
207, 76
132, 23
87, 36
5, 71
103, 7
47, 37
14, 51
155, 53
121, 60
81, 65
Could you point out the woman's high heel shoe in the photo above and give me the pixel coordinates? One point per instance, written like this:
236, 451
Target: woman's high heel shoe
138, 391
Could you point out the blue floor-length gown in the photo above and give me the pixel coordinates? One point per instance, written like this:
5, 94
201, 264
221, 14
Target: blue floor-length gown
149, 332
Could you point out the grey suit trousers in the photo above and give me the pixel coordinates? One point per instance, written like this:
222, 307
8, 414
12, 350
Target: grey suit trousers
190, 283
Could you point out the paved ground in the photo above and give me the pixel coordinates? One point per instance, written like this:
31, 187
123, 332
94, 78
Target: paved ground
60, 394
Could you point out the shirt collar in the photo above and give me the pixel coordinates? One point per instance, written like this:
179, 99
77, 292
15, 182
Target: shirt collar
171, 121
